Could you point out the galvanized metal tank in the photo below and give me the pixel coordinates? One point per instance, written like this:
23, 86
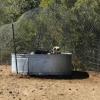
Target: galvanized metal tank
43, 64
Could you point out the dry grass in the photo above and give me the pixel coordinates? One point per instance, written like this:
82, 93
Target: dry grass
14, 87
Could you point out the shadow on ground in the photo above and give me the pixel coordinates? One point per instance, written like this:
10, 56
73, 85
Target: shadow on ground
74, 75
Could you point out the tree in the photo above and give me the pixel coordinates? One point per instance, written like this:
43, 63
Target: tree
13, 9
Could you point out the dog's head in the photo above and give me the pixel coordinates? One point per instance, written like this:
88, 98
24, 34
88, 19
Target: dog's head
56, 50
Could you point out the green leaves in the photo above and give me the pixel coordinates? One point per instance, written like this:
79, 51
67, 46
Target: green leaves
46, 3
13, 9
74, 25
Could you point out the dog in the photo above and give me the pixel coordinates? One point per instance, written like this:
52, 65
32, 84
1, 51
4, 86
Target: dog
40, 51
56, 50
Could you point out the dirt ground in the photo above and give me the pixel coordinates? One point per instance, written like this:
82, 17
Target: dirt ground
81, 86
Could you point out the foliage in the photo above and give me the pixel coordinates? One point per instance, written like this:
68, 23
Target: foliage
74, 25
13, 9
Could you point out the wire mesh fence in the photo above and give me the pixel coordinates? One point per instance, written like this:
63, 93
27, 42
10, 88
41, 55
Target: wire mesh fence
5, 57
55, 26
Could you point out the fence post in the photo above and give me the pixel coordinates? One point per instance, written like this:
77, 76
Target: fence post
14, 45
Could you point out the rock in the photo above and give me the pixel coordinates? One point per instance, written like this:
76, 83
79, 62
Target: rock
10, 92
1, 70
61, 94
14, 97
93, 89
41, 88
1, 92
69, 88
76, 89
19, 98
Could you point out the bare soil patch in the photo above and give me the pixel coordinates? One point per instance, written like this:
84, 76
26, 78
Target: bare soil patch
81, 86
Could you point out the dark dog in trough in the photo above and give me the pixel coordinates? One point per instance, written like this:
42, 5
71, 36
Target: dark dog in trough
54, 50
40, 51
